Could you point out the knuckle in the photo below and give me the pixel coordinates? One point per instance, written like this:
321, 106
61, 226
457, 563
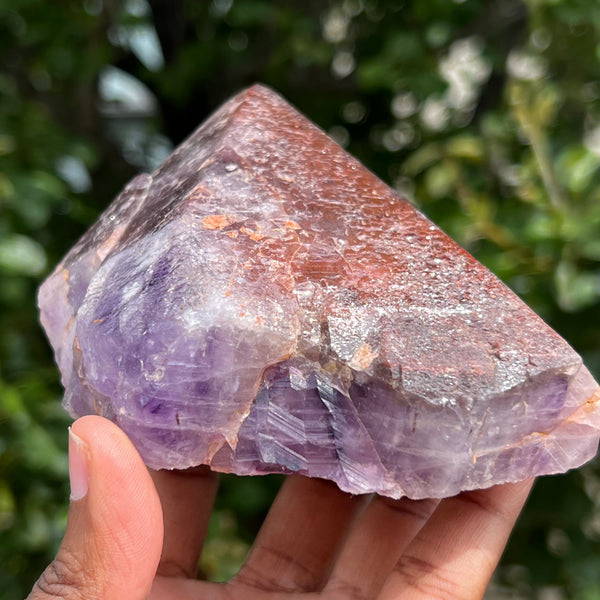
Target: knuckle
174, 569
418, 510
429, 580
340, 589
64, 578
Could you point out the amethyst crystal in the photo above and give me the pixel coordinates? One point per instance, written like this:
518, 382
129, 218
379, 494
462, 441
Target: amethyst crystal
263, 303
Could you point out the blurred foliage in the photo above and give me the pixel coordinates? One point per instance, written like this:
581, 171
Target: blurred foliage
485, 114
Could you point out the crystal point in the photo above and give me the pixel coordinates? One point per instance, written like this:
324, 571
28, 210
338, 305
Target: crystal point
263, 303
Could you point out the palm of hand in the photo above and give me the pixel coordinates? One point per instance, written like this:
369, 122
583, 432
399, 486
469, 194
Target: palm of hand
318, 541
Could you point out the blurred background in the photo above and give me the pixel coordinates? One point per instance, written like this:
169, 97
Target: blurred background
485, 114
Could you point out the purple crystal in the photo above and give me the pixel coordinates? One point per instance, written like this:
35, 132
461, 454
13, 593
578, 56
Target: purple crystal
263, 303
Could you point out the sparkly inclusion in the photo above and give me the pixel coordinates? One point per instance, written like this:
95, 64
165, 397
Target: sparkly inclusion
263, 303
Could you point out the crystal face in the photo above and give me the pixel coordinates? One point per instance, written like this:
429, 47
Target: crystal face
263, 303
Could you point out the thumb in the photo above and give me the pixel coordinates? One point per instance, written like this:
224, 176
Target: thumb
114, 531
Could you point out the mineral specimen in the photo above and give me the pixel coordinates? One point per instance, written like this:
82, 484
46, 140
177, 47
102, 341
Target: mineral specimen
263, 303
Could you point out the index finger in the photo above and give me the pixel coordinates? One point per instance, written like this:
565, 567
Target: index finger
187, 499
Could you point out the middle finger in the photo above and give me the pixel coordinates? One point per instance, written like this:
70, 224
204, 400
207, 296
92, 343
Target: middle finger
376, 543
300, 539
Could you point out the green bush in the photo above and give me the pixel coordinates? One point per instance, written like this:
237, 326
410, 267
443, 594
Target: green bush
484, 114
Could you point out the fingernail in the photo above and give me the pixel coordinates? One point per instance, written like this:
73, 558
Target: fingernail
79, 471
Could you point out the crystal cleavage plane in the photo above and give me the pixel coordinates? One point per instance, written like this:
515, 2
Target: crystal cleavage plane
263, 303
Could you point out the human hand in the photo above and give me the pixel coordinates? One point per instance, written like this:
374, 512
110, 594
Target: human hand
316, 539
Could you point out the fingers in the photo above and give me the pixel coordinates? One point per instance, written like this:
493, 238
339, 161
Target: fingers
187, 499
448, 549
300, 539
114, 532
375, 545
456, 552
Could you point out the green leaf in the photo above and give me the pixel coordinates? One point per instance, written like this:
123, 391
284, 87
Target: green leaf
440, 179
576, 288
21, 255
578, 168
467, 147
422, 159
